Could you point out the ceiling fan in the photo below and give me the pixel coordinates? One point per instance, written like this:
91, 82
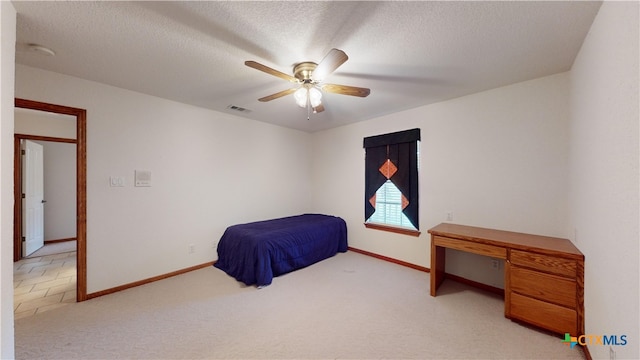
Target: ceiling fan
309, 77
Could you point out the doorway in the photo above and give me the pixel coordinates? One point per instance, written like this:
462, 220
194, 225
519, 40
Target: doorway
48, 183
81, 193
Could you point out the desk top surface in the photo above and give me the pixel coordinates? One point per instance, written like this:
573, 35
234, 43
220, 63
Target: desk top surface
510, 239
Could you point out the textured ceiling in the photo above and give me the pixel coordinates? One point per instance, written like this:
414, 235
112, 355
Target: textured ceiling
408, 53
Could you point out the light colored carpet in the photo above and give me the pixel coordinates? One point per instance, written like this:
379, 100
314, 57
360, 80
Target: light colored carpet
54, 248
350, 306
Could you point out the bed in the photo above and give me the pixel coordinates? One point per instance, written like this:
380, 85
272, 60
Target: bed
256, 252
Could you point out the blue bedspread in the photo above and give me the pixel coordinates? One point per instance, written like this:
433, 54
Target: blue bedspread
256, 252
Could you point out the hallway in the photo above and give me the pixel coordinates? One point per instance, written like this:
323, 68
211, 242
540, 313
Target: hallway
43, 283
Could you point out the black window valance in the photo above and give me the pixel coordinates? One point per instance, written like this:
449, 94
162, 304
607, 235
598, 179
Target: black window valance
392, 138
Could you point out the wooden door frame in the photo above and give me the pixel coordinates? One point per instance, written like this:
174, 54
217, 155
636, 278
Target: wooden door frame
81, 186
18, 178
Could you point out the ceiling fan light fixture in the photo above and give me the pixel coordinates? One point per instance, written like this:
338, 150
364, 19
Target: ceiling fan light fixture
301, 96
308, 94
315, 97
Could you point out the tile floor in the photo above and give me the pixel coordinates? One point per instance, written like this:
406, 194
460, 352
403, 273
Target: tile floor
43, 283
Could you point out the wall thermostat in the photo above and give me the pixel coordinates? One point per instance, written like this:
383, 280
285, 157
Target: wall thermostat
143, 178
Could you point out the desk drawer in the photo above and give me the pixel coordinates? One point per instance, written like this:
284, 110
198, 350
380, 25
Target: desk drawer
470, 246
545, 263
549, 316
546, 287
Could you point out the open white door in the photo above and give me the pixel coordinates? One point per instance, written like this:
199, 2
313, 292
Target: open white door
33, 197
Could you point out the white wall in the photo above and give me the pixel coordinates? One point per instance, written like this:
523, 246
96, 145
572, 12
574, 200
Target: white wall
7, 77
209, 170
496, 159
604, 174
36, 122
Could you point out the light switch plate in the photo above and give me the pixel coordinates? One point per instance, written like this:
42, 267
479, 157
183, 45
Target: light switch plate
116, 181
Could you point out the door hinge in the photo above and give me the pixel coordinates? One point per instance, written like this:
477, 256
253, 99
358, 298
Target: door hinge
23, 195
24, 239
23, 152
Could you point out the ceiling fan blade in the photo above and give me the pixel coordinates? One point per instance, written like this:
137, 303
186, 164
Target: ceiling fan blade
270, 71
319, 108
329, 64
277, 95
346, 90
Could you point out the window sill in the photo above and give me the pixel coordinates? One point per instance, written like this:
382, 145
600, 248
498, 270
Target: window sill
392, 229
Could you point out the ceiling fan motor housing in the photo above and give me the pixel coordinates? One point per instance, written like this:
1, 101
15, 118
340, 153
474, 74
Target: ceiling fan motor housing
303, 71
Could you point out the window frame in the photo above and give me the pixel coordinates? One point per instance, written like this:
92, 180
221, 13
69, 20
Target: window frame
393, 229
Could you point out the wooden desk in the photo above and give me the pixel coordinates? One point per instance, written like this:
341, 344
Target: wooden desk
544, 276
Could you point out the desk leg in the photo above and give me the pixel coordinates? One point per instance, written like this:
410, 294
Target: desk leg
507, 286
437, 267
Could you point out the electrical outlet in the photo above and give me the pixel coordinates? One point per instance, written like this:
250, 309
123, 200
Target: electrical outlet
495, 264
449, 215
192, 248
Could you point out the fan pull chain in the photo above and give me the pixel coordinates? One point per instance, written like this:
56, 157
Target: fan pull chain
308, 108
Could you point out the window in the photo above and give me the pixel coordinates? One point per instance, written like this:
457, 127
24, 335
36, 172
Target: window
389, 207
391, 181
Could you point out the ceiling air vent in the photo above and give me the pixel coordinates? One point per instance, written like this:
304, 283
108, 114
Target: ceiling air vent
238, 108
